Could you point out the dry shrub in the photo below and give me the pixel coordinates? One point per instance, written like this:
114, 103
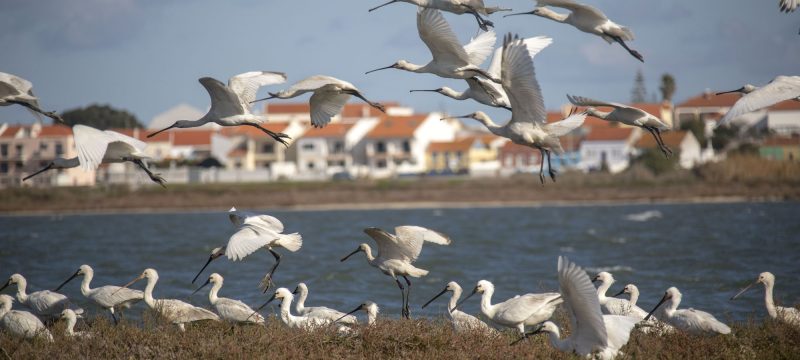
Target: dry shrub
749, 169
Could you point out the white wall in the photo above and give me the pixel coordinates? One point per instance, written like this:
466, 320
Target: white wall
617, 155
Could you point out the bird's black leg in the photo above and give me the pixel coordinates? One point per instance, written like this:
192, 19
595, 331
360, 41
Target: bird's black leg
279, 137
550, 169
541, 166
266, 282
402, 292
484, 24
525, 336
665, 147
408, 296
658, 140
50, 114
155, 177
373, 104
635, 53
116, 322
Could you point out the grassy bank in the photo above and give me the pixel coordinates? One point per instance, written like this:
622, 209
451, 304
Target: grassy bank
410, 339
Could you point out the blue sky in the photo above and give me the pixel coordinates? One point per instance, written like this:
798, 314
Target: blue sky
146, 56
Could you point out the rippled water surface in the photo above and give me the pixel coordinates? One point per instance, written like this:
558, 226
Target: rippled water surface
708, 251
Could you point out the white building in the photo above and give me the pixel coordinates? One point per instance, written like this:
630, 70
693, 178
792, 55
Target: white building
683, 143
327, 151
608, 147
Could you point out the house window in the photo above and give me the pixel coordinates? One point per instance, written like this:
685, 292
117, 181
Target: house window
4, 150
406, 146
338, 147
19, 165
19, 150
380, 147
381, 164
59, 149
3, 168
43, 146
308, 146
268, 148
520, 160
310, 165
237, 165
434, 157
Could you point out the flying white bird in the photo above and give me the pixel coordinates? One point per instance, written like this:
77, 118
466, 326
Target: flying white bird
474, 7
788, 315
97, 146
20, 323
329, 97
294, 322
612, 305
45, 304
318, 311
15, 90
397, 252
450, 59
109, 297
72, 319
488, 92
627, 115
229, 309
517, 312
370, 308
230, 105
255, 231
587, 19
592, 334
688, 320
528, 125
779, 89
788, 6
174, 311
462, 322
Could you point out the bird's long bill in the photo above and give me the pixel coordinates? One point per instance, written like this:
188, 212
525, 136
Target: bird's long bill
532, 12
210, 259
378, 69
348, 314
202, 286
48, 167
271, 96
743, 290
265, 304
457, 117
655, 308
6, 285
351, 254
162, 130
68, 280
435, 297
382, 5
619, 293
464, 299
595, 279
731, 91
129, 284
434, 90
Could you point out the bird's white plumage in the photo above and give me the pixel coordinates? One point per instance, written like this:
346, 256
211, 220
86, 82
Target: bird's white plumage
461, 321
175, 311
20, 323
612, 305
224, 102
519, 82
519, 311
297, 322
440, 39
789, 5
779, 89
689, 320
96, 146
16, 89
46, 304
480, 47
230, 309
578, 10
625, 114
534, 46
788, 315
256, 231
246, 85
407, 242
319, 311
72, 319
108, 297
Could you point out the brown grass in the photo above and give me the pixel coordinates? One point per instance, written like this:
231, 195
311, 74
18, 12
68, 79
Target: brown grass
408, 339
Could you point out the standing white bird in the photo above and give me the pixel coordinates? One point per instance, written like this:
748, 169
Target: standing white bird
255, 231
329, 97
627, 115
631, 290
45, 304
474, 7
318, 311
592, 334
661, 327
15, 90
587, 19
97, 146
517, 312
294, 322
788, 315
450, 59
781, 88
612, 305
788, 6
488, 92
72, 319
397, 252
230, 105
174, 311
528, 125
108, 297
688, 320
462, 322
370, 308
229, 309
21, 323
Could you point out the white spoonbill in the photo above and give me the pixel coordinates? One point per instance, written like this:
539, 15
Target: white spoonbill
592, 334
450, 59
627, 115
21, 323
788, 315
255, 231
329, 97
587, 19
633, 291
97, 146
174, 311
517, 312
688, 320
72, 319
474, 7
779, 89
109, 297
294, 322
229, 309
397, 252
788, 6
488, 92
528, 125
15, 90
613, 305
230, 105
318, 311
462, 322
370, 308
45, 304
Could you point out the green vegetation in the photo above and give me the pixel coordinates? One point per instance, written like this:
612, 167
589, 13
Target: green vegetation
655, 161
667, 87
101, 117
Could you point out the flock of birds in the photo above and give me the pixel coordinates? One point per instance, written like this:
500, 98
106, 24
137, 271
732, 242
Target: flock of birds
599, 325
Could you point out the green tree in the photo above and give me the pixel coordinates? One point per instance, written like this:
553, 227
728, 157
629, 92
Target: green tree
698, 129
101, 117
639, 91
654, 160
667, 87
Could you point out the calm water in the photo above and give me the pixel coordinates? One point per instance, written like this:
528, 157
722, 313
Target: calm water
707, 250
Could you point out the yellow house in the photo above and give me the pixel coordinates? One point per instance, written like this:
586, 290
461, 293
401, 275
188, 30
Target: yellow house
460, 155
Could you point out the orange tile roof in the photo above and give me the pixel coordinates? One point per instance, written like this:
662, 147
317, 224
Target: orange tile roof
287, 108
192, 137
252, 131
55, 131
672, 139
11, 131
782, 141
397, 126
458, 145
711, 100
609, 134
787, 105
333, 130
357, 110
